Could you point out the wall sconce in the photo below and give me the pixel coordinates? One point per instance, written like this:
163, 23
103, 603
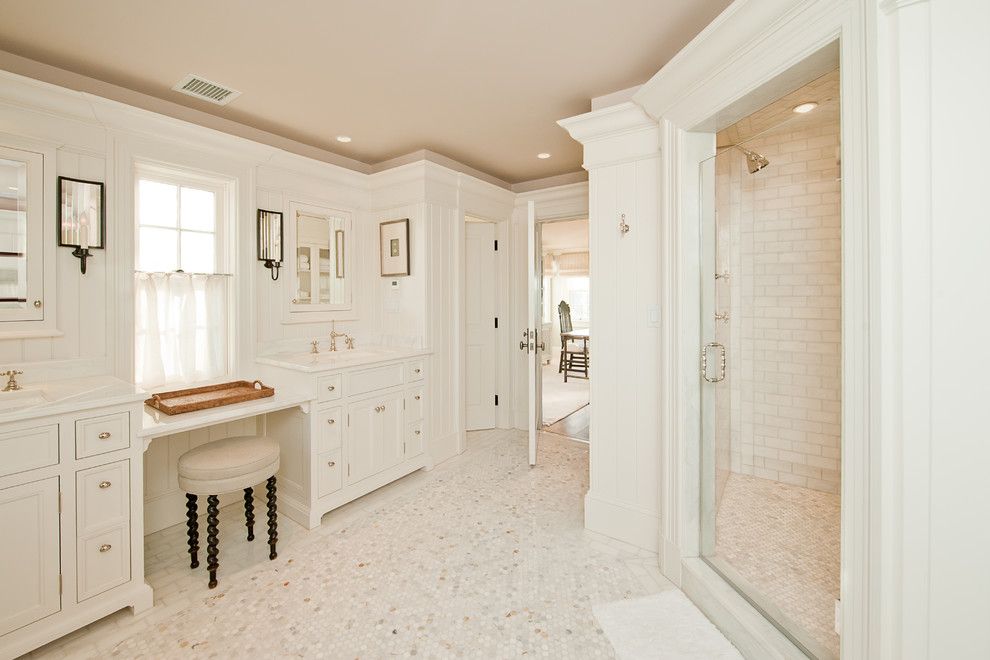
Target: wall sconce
270, 240
81, 217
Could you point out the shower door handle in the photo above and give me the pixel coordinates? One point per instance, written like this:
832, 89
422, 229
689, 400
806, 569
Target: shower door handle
704, 362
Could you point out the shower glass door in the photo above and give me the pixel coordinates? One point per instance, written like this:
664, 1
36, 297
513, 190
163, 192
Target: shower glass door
770, 357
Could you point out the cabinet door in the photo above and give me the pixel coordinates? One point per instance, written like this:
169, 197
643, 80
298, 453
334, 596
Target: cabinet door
393, 427
363, 437
29, 555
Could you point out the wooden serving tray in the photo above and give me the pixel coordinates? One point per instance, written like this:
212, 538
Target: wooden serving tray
210, 396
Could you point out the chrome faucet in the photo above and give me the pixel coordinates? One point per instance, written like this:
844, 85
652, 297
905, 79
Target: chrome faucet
333, 336
12, 384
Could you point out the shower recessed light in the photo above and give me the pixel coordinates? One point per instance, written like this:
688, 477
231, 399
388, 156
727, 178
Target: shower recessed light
805, 107
543, 156
343, 138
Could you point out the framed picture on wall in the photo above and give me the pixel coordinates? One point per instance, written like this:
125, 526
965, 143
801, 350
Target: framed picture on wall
394, 247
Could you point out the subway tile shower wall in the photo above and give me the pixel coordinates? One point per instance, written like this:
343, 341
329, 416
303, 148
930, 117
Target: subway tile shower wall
779, 237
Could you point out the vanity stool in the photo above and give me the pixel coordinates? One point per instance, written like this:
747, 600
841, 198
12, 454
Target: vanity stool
225, 466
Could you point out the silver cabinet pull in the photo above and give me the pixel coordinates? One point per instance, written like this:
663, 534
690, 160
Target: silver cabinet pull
104, 485
704, 362
418, 431
330, 388
330, 421
104, 436
332, 463
416, 397
105, 547
416, 371
37, 304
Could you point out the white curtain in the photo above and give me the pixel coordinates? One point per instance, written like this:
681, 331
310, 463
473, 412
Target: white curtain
180, 328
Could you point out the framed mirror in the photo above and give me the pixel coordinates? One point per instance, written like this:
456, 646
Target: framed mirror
320, 256
270, 240
22, 249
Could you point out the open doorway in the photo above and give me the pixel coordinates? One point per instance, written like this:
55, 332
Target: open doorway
565, 325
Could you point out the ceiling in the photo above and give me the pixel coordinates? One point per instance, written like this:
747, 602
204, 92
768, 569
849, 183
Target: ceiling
478, 81
570, 235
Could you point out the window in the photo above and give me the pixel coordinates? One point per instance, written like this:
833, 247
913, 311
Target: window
181, 308
578, 296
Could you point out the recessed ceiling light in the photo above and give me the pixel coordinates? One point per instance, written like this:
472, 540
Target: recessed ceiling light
805, 107
543, 156
343, 138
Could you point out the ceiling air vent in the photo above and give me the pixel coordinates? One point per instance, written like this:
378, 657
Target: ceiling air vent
207, 90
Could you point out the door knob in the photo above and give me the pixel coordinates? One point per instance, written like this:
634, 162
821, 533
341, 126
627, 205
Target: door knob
522, 346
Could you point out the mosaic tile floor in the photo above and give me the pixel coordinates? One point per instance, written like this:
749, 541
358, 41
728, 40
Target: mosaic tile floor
784, 540
483, 557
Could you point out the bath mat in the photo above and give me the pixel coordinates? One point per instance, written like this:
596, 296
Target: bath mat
664, 626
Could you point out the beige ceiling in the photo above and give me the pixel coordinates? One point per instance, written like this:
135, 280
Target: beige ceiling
480, 81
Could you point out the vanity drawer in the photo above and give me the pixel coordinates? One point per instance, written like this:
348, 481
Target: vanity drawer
99, 435
328, 473
103, 561
378, 378
28, 449
102, 497
328, 388
414, 404
415, 433
329, 423
417, 370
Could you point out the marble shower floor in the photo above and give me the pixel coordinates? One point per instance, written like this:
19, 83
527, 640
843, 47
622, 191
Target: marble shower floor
481, 557
784, 541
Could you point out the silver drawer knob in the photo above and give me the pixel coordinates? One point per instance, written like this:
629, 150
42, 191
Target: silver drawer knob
105, 547
37, 304
330, 388
330, 421
416, 371
332, 463
104, 484
104, 435
416, 397
418, 431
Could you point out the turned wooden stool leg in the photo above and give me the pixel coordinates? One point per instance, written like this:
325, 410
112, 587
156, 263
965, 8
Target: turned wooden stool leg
192, 522
272, 519
212, 509
249, 511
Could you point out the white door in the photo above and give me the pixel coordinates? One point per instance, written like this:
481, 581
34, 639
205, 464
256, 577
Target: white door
363, 434
393, 431
534, 342
29, 565
479, 276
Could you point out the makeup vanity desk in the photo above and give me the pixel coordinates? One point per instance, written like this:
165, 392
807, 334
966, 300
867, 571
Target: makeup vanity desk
72, 473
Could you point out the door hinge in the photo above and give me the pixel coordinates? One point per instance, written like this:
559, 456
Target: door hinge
496, 399
59, 584
59, 507
496, 245
496, 322
348, 419
403, 404
348, 469
403, 448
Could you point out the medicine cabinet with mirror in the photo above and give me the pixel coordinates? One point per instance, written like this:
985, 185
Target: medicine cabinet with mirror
27, 239
319, 249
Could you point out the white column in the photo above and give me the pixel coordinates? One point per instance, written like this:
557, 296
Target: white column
622, 158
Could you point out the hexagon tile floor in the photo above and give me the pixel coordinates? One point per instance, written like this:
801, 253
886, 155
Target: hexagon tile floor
483, 557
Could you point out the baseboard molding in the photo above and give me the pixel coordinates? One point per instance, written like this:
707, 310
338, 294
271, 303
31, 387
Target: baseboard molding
670, 560
620, 521
444, 447
754, 636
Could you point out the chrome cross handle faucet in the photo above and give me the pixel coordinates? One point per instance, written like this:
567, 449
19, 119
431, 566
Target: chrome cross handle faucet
12, 384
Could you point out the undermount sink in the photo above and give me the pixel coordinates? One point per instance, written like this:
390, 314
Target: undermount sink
28, 396
308, 361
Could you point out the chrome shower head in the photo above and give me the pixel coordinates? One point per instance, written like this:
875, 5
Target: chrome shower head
754, 161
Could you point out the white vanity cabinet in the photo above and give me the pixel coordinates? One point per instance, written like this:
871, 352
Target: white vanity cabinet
366, 427
71, 511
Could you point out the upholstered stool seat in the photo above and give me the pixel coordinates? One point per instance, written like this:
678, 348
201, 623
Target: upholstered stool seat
225, 466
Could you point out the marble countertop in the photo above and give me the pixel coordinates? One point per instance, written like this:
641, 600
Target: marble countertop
70, 395
340, 359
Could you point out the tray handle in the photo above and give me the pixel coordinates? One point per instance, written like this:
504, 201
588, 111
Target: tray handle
258, 385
